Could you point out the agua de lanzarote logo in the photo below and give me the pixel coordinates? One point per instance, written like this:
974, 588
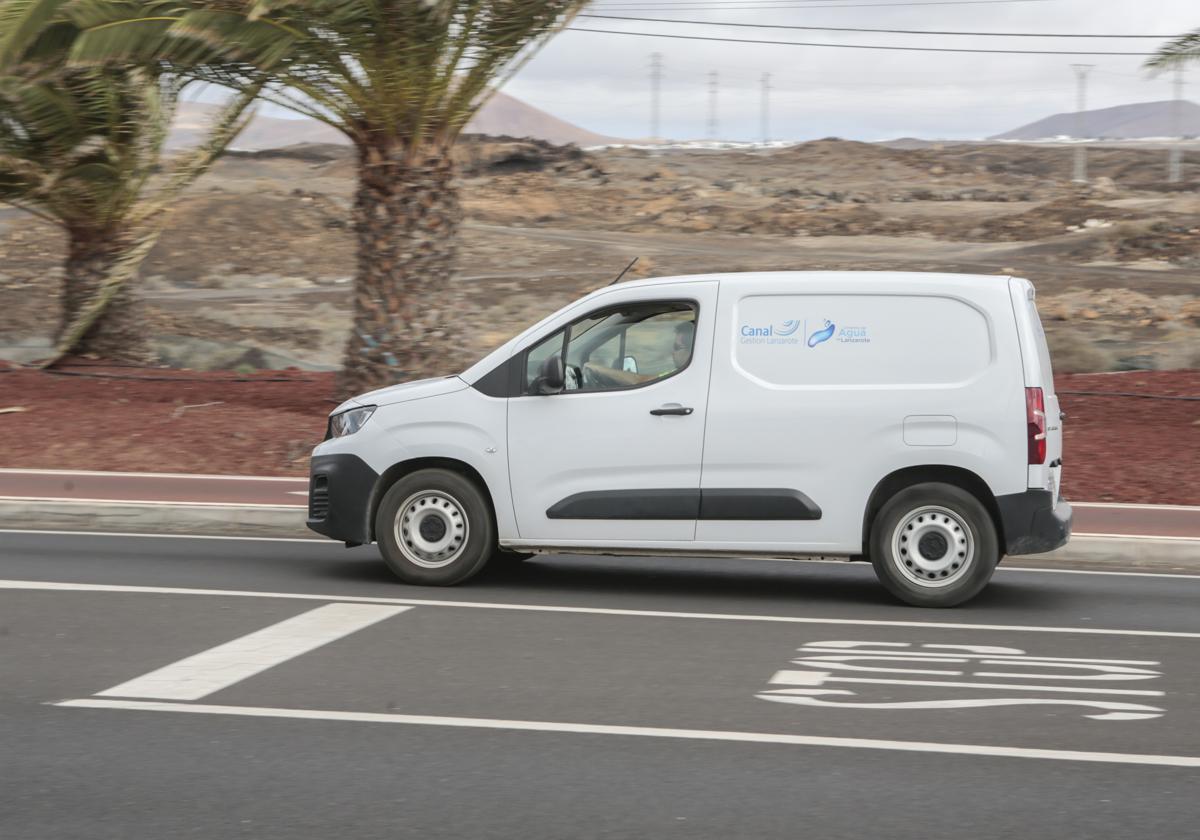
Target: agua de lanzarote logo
822, 335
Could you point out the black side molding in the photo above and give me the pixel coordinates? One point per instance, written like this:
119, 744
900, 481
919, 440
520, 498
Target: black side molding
779, 504
628, 504
708, 504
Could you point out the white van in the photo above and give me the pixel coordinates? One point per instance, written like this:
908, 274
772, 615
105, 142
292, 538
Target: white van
908, 419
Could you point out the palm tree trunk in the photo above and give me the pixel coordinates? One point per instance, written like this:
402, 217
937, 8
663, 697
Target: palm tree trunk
118, 334
406, 214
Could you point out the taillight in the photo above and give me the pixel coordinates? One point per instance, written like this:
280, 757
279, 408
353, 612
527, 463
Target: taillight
1035, 424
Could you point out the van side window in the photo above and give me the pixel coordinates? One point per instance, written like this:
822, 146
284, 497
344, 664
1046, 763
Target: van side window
537, 357
623, 347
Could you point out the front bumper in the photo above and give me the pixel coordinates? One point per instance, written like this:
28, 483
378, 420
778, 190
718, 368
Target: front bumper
1032, 523
340, 489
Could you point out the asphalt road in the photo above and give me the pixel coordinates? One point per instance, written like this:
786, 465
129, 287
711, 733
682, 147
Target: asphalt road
181, 687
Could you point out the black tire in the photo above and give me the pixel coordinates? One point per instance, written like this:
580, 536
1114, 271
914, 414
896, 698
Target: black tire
934, 545
439, 507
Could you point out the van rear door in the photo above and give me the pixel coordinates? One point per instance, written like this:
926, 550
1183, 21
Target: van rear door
1038, 374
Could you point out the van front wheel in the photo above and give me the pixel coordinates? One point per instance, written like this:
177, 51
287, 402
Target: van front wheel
434, 528
934, 545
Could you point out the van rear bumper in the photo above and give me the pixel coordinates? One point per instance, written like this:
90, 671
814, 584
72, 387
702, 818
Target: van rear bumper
339, 497
1032, 523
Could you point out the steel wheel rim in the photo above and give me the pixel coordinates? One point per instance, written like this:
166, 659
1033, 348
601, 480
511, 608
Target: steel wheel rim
431, 529
933, 546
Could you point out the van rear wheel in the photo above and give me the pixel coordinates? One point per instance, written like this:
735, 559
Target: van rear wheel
434, 528
934, 545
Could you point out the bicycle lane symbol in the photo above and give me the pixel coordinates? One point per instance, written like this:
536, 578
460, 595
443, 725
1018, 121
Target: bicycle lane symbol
990, 673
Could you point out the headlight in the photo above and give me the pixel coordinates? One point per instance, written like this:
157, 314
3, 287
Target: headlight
349, 422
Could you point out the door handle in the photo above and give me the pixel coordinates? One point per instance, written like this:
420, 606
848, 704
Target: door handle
673, 410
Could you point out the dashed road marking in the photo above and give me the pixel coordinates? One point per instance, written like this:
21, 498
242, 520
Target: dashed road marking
220, 667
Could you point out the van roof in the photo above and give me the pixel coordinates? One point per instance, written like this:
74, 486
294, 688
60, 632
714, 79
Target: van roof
799, 276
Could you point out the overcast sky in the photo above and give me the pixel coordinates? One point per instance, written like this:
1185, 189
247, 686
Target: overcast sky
601, 82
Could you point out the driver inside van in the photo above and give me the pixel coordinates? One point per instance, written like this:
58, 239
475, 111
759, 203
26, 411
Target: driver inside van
681, 351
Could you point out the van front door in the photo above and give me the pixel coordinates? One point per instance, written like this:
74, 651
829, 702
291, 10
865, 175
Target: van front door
605, 442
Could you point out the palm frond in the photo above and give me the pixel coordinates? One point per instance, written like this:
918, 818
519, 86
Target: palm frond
393, 71
21, 21
1184, 49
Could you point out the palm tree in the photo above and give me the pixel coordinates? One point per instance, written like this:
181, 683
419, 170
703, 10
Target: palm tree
1183, 49
81, 146
400, 78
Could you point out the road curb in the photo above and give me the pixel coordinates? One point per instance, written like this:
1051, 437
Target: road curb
1103, 552
138, 517
1119, 553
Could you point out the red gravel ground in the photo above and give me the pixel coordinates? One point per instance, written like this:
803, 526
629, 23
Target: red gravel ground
90, 417
1118, 448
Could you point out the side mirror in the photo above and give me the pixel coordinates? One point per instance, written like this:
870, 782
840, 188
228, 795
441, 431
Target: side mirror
629, 364
553, 376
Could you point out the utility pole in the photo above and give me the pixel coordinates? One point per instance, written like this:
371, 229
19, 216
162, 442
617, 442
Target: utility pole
712, 106
766, 107
1175, 158
655, 93
1081, 74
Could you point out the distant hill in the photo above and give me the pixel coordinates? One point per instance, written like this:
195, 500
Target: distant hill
503, 115
1123, 122
506, 116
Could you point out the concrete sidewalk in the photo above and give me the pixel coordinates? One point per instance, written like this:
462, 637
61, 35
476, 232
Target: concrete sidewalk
1107, 536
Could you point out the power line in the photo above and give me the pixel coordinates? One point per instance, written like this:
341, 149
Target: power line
854, 46
875, 5
855, 29
835, 3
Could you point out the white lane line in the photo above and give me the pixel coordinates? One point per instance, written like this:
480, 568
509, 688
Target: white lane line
328, 542
55, 586
143, 502
220, 667
201, 476
1003, 567
642, 731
